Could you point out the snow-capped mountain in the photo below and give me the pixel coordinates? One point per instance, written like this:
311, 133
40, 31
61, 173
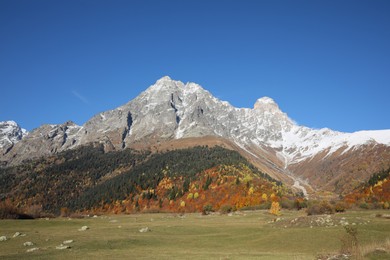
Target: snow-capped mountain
171, 110
10, 134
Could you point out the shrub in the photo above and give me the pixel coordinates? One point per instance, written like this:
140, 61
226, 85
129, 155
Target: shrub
313, 210
36, 211
363, 205
287, 204
300, 204
320, 208
257, 207
152, 210
9, 211
207, 209
266, 205
340, 207
225, 209
65, 212
349, 242
377, 205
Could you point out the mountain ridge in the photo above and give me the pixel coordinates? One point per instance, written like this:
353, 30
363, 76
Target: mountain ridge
172, 110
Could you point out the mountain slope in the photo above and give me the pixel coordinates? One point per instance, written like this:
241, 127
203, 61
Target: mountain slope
374, 193
171, 110
86, 178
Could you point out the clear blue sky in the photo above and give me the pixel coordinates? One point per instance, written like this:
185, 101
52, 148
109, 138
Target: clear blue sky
326, 63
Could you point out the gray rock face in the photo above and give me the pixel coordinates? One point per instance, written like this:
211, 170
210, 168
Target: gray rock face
10, 134
172, 110
45, 140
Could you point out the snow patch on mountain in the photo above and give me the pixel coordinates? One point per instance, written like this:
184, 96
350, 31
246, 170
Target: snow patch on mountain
302, 142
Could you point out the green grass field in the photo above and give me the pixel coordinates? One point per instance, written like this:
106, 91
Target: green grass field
242, 235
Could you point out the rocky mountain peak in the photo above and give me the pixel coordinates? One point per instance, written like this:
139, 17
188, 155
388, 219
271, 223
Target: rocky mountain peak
165, 84
164, 79
10, 134
266, 103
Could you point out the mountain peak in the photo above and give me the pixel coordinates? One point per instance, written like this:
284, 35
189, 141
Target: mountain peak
266, 102
164, 79
10, 133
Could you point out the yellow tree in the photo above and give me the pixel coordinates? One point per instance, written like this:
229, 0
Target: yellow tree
275, 208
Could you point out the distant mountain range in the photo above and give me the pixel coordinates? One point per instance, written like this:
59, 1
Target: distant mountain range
171, 114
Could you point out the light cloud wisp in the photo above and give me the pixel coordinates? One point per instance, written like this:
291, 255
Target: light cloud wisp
80, 97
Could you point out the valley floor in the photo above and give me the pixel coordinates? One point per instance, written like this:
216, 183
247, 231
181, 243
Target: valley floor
239, 235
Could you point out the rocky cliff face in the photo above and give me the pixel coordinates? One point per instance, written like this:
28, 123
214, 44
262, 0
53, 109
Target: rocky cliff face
43, 141
171, 110
10, 134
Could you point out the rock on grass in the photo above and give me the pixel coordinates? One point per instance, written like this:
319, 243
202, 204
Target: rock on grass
83, 228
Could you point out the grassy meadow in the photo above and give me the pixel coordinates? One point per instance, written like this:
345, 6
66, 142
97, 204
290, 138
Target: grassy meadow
239, 235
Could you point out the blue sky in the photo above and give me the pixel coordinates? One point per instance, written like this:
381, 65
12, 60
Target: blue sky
326, 63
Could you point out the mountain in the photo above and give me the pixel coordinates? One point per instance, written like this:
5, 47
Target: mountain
171, 112
10, 134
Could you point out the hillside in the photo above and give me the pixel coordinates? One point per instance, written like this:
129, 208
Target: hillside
375, 193
88, 179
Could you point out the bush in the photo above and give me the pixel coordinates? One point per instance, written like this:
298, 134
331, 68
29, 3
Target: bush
300, 204
35, 211
207, 209
9, 211
377, 205
287, 204
266, 205
257, 207
225, 209
340, 207
320, 208
152, 210
349, 242
64, 212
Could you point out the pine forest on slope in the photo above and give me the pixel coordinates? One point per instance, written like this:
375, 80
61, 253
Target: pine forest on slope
87, 179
